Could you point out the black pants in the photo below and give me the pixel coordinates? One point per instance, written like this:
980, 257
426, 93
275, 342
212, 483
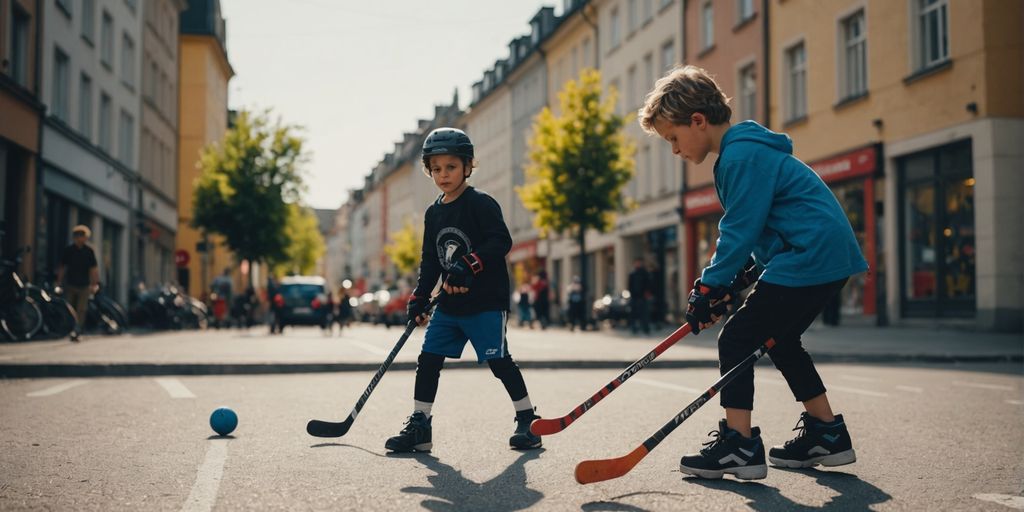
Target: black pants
783, 313
639, 314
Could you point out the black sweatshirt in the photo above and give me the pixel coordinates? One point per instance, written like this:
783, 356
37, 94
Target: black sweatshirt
472, 223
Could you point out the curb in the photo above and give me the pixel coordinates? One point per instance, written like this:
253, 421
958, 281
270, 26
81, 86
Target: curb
45, 370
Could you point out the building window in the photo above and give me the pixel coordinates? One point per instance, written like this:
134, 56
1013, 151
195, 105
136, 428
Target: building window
632, 15
586, 52
105, 120
88, 20
107, 41
85, 106
154, 75
648, 10
127, 61
19, 45
707, 26
61, 84
631, 94
748, 92
616, 35
648, 78
796, 82
931, 28
614, 85
132, 5
664, 4
669, 168
853, 66
668, 55
65, 5
744, 10
126, 139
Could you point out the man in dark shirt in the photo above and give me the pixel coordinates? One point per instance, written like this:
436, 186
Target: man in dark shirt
639, 290
78, 272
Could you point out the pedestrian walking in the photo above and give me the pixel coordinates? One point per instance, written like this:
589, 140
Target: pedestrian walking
465, 242
778, 210
639, 298
523, 303
78, 273
575, 299
542, 299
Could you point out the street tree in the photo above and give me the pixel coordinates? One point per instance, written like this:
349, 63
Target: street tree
403, 248
580, 160
246, 184
305, 243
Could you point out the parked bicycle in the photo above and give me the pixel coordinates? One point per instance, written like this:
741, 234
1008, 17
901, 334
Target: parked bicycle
20, 316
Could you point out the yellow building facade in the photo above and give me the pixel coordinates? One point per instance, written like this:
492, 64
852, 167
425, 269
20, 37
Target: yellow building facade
912, 112
203, 107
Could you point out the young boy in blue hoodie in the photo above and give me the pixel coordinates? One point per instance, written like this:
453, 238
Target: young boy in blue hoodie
781, 213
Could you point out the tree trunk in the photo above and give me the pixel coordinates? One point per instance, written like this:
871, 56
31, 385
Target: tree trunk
581, 238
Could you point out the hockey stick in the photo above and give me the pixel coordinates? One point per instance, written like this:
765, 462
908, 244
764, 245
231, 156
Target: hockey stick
321, 428
546, 427
590, 471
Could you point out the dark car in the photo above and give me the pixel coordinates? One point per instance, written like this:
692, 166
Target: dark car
301, 300
612, 309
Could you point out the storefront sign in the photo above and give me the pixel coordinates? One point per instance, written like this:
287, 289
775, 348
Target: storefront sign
701, 202
523, 250
861, 162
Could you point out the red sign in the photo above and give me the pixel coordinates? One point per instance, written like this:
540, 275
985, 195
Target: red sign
181, 258
523, 250
861, 162
701, 202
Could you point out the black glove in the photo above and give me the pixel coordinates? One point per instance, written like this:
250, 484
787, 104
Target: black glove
705, 302
461, 273
417, 306
746, 277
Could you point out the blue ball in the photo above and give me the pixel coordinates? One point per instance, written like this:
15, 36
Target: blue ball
223, 421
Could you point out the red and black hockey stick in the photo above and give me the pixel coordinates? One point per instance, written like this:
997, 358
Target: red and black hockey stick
590, 471
321, 428
546, 427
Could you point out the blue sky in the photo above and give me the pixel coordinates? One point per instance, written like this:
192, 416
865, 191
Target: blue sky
356, 75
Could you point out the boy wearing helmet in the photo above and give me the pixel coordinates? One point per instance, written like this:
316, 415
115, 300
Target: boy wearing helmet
465, 241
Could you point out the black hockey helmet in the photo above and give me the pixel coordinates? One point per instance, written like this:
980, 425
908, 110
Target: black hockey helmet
447, 141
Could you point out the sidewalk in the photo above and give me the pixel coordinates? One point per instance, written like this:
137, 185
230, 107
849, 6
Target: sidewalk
363, 348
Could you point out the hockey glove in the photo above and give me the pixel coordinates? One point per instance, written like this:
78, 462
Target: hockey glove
461, 273
746, 277
417, 307
705, 304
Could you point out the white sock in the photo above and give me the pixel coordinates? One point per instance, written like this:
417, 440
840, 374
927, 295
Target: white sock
423, 407
523, 404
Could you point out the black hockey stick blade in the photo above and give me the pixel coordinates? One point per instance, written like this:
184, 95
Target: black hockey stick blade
319, 428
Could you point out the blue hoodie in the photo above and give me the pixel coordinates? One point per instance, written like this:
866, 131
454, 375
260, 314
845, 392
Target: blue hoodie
779, 210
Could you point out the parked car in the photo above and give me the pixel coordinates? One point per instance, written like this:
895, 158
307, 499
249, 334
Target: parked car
612, 309
301, 300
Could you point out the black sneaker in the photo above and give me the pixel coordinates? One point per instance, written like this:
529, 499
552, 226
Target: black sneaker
728, 452
415, 437
817, 442
522, 438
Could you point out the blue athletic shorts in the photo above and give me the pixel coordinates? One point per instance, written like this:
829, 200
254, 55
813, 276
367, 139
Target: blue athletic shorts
447, 334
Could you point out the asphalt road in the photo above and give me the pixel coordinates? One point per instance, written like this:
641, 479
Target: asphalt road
927, 437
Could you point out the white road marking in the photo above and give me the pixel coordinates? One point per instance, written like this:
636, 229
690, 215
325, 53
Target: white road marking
1007, 500
369, 348
857, 378
911, 389
666, 385
856, 391
979, 385
1015, 402
53, 390
204, 491
175, 388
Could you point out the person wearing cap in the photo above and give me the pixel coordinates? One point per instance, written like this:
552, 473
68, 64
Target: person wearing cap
78, 273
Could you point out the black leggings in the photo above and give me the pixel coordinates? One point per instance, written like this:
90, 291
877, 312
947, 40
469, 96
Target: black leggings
783, 313
428, 374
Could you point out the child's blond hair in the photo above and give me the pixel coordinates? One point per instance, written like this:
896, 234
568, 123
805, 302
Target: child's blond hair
681, 93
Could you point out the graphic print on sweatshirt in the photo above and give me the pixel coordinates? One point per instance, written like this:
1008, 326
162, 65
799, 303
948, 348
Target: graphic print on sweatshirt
452, 244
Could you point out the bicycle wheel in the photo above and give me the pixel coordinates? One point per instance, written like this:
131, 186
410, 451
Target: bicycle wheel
60, 318
116, 318
22, 320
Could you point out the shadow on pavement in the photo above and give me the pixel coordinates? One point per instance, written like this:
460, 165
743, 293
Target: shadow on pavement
371, 452
452, 491
611, 504
853, 493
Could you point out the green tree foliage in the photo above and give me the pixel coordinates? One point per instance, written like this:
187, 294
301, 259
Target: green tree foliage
246, 184
580, 161
305, 243
404, 248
